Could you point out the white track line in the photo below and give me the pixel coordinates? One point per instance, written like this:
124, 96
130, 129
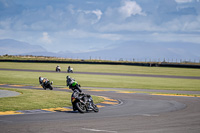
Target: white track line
97, 130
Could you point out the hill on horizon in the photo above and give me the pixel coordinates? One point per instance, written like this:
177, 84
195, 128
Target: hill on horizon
131, 50
14, 47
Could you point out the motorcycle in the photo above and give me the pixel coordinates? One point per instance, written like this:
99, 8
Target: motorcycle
45, 83
80, 101
83, 103
70, 70
58, 69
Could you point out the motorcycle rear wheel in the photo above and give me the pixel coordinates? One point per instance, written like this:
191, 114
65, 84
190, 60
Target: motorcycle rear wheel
81, 107
44, 87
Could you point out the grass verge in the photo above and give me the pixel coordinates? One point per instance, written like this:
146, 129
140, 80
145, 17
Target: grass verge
104, 68
31, 99
31, 78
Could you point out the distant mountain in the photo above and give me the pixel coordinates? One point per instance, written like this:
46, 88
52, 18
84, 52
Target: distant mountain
14, 47
145, 51
131, 50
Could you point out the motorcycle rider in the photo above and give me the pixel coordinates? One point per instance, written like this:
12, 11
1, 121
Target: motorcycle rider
76, 89
77, 92
69, 68
72, 84
58, 68
42, 81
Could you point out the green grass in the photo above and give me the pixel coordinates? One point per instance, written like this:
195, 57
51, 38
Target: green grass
59, 79
37, 99
105, 68
139, 82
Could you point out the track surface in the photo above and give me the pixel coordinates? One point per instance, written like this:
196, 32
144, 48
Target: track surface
138, 113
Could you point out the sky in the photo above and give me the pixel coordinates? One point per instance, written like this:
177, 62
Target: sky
90, 25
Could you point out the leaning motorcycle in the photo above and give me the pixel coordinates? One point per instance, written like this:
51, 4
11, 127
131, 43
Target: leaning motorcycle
70, 70
80, 101
58, 69
83, 103
47, 84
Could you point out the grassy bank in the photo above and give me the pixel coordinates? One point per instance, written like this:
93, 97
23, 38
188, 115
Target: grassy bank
59, 79
105, 68
37, 99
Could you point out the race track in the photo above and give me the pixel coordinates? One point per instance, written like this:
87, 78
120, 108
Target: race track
136, 113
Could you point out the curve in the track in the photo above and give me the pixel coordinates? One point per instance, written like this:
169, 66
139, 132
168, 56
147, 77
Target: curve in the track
6, 93
134, 105
137, 113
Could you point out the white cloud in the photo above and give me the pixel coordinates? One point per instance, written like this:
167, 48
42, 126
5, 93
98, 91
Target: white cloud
183, 1
71, 9
45, 38
97, 12
131, 27
130, 8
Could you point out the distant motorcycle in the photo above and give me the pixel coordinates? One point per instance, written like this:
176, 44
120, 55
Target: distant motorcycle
45, 83
80, 101
58, 69
70, 70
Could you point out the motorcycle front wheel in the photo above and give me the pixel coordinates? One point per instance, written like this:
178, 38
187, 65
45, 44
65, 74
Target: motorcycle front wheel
95, 108
81, 107
51, 88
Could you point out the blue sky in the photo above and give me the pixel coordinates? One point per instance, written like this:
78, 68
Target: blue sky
89, 25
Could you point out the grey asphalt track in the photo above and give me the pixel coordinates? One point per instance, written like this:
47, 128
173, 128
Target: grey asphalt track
6, 93
137, 113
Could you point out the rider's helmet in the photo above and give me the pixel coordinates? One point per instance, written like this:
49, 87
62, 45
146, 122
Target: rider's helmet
67, 77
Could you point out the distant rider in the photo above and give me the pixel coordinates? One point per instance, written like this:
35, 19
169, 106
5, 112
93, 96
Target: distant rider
73, 84
42, 81
58, 68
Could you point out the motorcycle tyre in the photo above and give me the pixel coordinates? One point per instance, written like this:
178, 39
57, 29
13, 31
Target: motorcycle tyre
44, 87
81, 109
95, 108
51, 88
